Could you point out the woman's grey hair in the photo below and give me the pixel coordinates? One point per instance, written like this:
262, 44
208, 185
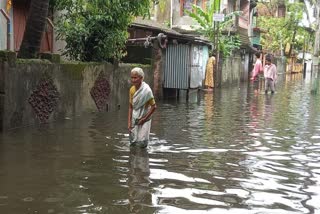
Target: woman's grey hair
138, 71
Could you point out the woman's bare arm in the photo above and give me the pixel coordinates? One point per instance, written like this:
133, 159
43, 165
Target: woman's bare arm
130, 117
148, 115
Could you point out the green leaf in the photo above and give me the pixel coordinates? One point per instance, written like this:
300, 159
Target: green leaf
96, 30
205, 21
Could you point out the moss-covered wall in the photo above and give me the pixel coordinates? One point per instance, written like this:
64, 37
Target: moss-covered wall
281, 63
40, 91
163, 12
232, 69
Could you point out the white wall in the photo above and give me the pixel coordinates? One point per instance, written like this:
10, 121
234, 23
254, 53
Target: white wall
178, 21
3, 27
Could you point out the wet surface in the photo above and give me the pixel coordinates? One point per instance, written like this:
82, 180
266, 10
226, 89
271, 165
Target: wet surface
229, 151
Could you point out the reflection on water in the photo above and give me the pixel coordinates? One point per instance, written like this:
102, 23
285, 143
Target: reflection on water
228, 151
138, 181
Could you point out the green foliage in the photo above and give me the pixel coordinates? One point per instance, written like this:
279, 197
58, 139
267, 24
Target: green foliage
270, 6
277, 35
96, 30
283, 30
227, 43
162, 6
204, 20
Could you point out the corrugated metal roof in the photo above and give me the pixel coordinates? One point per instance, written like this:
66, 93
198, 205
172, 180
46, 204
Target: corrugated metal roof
153, 25
150, 24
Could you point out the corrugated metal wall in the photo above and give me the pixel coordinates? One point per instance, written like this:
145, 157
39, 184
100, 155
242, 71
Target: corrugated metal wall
177, 66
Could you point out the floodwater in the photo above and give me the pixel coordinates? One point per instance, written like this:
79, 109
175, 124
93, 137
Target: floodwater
229, 151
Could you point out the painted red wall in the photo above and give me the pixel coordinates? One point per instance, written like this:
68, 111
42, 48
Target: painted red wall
20, 15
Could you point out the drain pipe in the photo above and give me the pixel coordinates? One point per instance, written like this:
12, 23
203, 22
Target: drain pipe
8, 28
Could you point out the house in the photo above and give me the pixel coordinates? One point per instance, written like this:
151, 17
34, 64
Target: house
13, 18
173, 12
293, 64
179, 65
191, 51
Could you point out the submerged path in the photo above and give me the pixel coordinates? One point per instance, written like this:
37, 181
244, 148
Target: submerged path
228, 151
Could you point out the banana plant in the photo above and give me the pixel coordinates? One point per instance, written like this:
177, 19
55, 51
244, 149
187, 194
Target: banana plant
204, 18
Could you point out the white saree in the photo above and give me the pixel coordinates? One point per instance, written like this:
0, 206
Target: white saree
139, 134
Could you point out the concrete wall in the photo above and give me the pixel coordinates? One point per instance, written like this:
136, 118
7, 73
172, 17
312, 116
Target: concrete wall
162, 12
281, 64
178, 21
232, 70
163, 15
39, 91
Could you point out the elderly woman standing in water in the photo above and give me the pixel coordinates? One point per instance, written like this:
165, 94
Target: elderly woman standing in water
141, 107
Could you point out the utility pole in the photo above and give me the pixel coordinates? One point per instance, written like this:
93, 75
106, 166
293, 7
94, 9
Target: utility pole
315, 58
217, 74
317, 36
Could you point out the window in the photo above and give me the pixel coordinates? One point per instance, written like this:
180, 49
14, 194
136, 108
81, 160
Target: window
187, 5
281, 11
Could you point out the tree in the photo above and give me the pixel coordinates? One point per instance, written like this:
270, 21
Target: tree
97, 30
204, 18
283, 30
35, 26
271, 6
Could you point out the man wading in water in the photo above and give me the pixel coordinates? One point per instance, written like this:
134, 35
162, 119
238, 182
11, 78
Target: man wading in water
270, 75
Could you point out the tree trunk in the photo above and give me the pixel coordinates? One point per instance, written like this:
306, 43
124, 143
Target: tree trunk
292, 41
35, 26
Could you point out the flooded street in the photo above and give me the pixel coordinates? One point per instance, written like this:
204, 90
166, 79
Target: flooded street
229, 151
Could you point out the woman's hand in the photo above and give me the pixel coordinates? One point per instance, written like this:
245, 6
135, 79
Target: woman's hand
147, 116
129, 127
142, 121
